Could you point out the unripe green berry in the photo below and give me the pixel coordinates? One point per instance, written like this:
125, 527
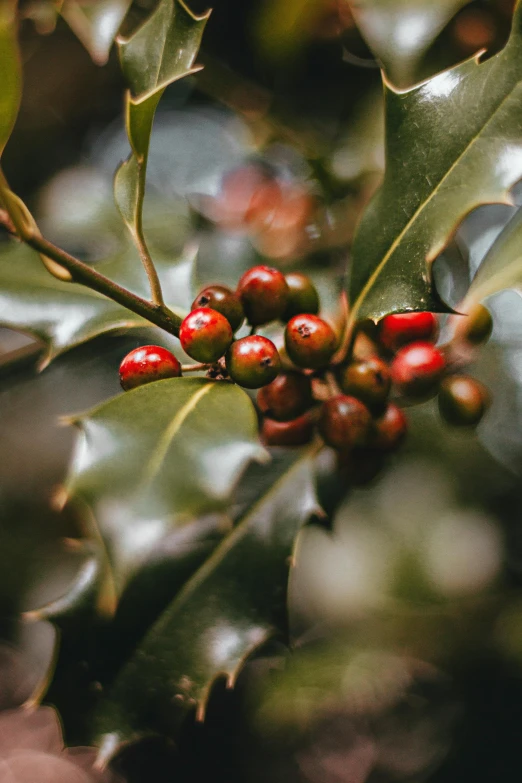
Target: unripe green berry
287, 397
310, 341
462, 400
205, 335
302, 296
297, 432
369, 380
344, 422
225, 301
264, 294
477, 325
253, 361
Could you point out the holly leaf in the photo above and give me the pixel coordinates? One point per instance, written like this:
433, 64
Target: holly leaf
501, 267
160, 52
10, 68
157, 458
64, 315
399, 32
231, 606
452, 143
95, 24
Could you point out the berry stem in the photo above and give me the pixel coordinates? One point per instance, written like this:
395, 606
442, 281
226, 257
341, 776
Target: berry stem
347, 341
14, 216
333, 386
194, 367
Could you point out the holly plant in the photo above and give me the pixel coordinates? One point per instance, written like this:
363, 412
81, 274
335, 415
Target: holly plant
194, 481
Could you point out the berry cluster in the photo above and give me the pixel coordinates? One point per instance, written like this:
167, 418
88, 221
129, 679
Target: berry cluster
308, 387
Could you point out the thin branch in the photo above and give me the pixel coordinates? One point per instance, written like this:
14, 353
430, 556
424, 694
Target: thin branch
90, 277
86, 275
146, 259
194, 367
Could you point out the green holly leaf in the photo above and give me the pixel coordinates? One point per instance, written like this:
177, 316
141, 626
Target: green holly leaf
160, 52
452, 143
158, 457
231, 606
11, 89
64, 315
501, 267
399, 32
95, 24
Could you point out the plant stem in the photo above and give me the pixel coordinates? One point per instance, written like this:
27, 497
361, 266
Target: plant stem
85, 275
194, 367
82, 273
146, 260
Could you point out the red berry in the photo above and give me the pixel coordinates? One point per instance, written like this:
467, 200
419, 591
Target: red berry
264, 294
417, 369
389, 430
404, 328
288, 396
297, 432
302, 296
462, 400
344, 422
146, 364
310, 341
225, 301
205, 335
369, 380
360, 466
253, 361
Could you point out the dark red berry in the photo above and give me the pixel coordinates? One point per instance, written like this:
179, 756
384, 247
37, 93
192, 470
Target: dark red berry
288, 396
462, 400
344, 422
389, 430
477, 326
360, 466
146, 364
404, 328
297, 432
253, 361
302, 296
205, 335
369, 380
417, 369
225, 301
264, 294
310, 341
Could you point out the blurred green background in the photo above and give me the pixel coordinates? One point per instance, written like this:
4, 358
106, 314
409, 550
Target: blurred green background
406, 611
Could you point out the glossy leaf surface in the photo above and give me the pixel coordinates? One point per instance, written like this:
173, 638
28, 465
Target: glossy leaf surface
399, 32
502, 265
11, 87
156, 458
64, 315
160, 52
230, 607
95, 24
452, 143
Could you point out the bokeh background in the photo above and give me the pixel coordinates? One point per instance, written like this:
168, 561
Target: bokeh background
405, 609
